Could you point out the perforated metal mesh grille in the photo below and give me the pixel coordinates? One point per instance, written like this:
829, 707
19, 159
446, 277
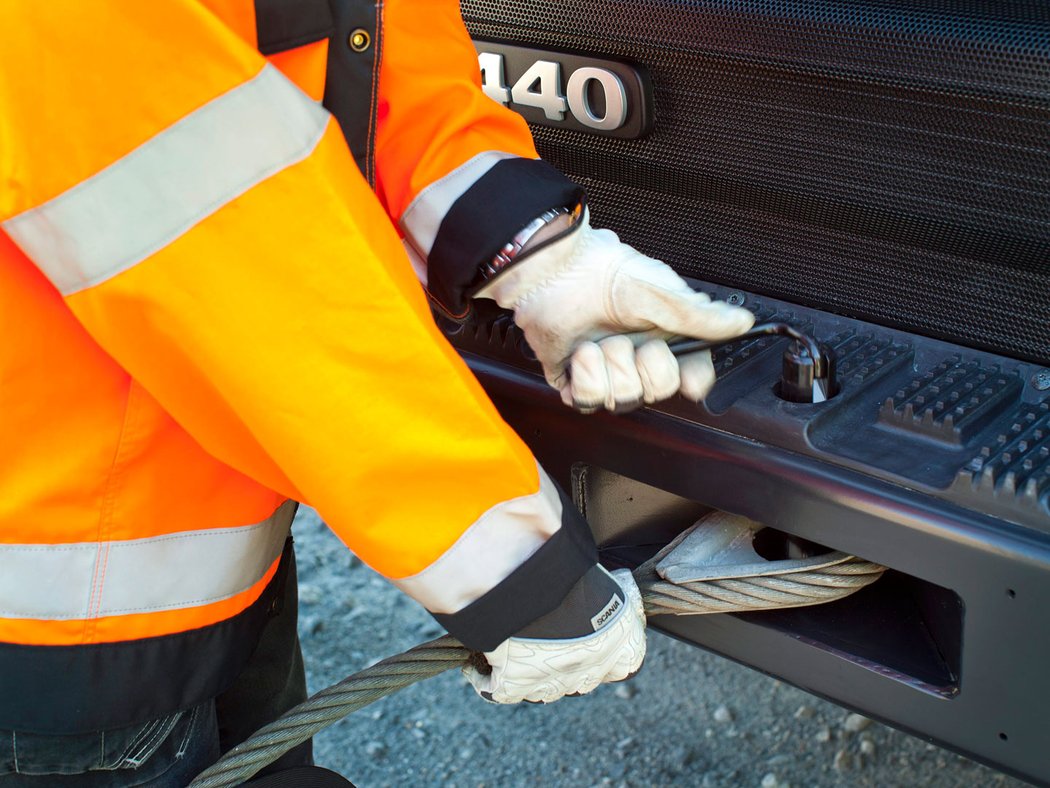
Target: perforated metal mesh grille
888, 161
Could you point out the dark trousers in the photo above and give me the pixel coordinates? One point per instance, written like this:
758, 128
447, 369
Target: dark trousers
170, 751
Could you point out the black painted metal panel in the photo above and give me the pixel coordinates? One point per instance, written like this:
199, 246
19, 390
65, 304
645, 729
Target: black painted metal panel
1001, 572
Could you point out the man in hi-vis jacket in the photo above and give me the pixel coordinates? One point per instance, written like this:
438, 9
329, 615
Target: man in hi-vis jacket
210, 294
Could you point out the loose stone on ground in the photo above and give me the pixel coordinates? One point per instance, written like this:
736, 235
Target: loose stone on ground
855, 723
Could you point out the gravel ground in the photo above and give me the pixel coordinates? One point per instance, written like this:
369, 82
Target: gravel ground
689, 718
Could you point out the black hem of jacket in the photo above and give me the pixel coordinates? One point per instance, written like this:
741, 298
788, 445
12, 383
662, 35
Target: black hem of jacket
484, 218
65, 690
531, 591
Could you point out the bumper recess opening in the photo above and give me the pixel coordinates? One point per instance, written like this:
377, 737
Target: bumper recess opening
901, 627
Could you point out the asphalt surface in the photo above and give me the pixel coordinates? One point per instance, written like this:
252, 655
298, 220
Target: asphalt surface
690, 718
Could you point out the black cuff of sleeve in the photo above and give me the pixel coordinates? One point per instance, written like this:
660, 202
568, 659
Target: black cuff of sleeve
532, 590
485, 217
591, 604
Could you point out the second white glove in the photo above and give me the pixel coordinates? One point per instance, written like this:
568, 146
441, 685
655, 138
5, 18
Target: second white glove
540, 666
597, 313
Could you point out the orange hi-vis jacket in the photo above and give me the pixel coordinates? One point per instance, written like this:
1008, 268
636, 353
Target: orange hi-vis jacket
209, 312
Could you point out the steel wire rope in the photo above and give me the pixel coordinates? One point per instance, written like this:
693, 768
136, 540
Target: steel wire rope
732, 595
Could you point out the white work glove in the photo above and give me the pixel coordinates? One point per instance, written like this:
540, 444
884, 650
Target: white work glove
594, 306
570, 651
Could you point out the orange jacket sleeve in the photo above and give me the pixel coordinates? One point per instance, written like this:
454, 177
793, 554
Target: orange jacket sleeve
205, 223
456, 170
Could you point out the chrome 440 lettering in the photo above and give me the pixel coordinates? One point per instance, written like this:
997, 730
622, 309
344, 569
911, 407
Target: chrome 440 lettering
541, 87
566, 90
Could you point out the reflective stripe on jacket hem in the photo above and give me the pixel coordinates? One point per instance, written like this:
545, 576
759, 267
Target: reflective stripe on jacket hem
180, 570
78, 689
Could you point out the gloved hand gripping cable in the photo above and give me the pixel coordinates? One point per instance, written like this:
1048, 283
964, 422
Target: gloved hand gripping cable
721, 589
670, 584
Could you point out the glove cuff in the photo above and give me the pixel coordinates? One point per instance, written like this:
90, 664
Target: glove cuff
591, 605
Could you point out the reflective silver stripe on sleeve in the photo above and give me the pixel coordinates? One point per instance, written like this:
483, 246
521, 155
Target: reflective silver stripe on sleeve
500, 541
422, 219
180, 570
148, 198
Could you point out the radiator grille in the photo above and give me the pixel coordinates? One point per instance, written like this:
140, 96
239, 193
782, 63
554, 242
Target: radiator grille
886, 161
